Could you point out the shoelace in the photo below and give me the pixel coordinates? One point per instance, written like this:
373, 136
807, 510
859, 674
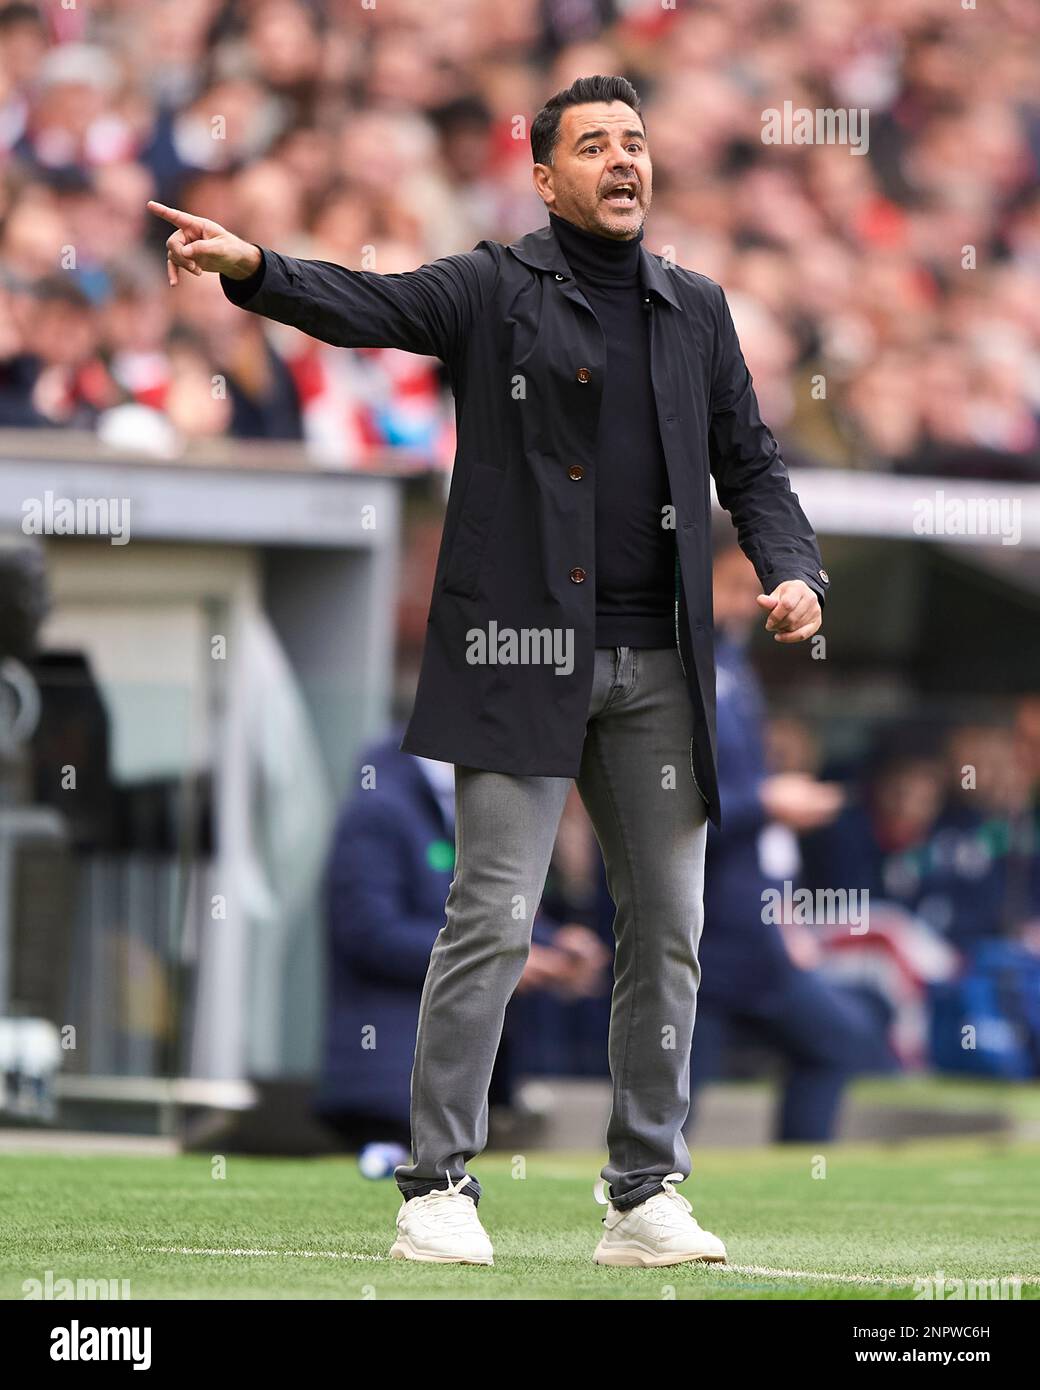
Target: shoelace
450, 1211
662, 1205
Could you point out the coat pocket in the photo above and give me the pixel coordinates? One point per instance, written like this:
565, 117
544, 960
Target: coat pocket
476, 516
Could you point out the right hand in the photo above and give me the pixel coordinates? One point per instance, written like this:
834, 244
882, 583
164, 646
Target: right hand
797, 800
199, 245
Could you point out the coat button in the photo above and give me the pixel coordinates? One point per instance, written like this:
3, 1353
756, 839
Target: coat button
576, 472
824, 576
584, 375
560, 277
577, 575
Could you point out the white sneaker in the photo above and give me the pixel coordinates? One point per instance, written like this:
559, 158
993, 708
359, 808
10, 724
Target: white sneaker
442, 1227
660, 1231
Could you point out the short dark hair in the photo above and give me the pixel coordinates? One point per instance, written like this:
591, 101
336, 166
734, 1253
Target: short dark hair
545, 128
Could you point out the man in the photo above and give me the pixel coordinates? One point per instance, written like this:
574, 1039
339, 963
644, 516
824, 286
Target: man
570, 628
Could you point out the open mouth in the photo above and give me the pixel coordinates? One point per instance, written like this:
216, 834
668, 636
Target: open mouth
622, 195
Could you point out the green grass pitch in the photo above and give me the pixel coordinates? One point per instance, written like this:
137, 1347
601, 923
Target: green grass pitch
315, 1229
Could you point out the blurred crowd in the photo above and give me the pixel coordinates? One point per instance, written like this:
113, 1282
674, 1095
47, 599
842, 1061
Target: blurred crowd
944, 823
888, 302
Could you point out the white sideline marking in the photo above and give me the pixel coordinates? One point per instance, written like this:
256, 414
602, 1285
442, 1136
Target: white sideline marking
897, 1281
816, 1274
295, 1254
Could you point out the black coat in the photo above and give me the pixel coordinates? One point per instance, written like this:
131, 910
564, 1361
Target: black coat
526, 357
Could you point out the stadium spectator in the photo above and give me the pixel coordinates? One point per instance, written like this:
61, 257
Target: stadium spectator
758, 983
886, 823
980, 875
949, 834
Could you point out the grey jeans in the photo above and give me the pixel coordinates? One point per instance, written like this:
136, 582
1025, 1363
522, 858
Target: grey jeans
650, 820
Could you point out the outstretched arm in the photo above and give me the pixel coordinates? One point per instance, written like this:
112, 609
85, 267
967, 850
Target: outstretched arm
428, 310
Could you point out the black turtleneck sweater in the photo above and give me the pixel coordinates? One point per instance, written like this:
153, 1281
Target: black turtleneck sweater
635, 553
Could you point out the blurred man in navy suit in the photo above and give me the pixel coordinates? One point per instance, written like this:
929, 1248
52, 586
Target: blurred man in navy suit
752, 988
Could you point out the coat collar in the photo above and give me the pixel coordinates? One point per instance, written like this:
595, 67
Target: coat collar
542, 251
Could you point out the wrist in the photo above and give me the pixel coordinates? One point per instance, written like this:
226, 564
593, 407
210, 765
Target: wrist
246, 264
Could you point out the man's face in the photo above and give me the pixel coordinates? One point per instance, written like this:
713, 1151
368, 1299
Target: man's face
601, 145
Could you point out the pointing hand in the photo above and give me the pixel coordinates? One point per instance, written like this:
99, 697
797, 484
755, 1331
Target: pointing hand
199, 244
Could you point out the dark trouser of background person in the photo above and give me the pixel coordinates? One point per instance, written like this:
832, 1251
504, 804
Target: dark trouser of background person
824, 1033
355, 1129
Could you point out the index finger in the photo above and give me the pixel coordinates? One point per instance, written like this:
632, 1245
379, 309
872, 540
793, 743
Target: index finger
174, 215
